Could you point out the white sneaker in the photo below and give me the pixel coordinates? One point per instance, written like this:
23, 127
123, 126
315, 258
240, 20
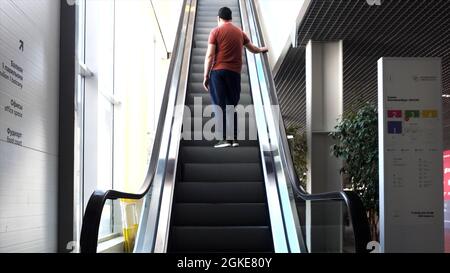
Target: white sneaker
223, 144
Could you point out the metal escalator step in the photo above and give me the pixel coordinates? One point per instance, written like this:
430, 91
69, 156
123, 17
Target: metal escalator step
200, 59
195, 154
207, 109
198, 124
224, 172
198, 87
220, 192
199, 51
202, 91
243, 135
202, 52
214, 8
221, 239
212, 18
232, 214
210, 143
194, 128
200, 44
203, 30
199, 68
216, 5
245, 98
212, 25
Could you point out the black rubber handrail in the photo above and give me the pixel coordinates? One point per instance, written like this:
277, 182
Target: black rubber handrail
357, 212
94, 208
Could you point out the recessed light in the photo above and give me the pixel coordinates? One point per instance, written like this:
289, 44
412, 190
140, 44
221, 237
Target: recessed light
447, 96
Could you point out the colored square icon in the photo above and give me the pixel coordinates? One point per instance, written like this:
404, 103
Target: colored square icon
429, 113
394, 127
412, 114
394, 113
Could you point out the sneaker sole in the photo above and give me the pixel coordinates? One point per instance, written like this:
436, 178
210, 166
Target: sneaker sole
222, 146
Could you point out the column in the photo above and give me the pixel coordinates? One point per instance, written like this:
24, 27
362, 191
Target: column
324, 105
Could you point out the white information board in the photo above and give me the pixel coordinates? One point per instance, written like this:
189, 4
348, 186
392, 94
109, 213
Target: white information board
410, 159
29, 75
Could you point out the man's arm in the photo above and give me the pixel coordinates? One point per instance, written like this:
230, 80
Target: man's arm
254, 49
209, 58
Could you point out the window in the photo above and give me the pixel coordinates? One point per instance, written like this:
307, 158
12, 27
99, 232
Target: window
118, 107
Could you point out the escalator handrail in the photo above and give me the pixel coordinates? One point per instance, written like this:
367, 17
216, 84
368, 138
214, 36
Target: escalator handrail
94, 208
355, 207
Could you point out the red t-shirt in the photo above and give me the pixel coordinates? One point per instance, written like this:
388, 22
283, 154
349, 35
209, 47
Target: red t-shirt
229, 41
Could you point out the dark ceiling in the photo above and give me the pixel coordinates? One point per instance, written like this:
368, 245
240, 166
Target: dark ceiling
396, 28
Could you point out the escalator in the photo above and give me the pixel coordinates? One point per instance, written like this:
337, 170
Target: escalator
220, 200
197, 198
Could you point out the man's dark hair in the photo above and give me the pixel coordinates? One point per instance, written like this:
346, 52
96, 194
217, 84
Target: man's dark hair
225, 13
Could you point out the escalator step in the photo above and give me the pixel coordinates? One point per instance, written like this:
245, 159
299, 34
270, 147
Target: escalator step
194, 154
201, 30
200, 172
214, 7
245, 98
212, 25
212, 18
220, 192
200, 59
198, 68
198, 86
198, 77
221, 239
232, 214
209, 106
243, 135
199, 51
199, 124
210, 143
202, 51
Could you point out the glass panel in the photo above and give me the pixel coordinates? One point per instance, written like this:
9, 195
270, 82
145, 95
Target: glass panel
79, 125
325, 226
105, 222
98, 109
136, 86
118, 108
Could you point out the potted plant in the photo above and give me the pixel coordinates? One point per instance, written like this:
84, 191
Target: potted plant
298, 147
356, 138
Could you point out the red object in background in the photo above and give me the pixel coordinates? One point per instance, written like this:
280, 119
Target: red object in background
394, 113
447, 175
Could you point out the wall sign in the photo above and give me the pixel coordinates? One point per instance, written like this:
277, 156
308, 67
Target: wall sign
29, 90
410, 144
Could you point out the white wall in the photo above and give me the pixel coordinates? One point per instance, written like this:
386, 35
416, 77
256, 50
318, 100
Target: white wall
28, 168
277, 18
